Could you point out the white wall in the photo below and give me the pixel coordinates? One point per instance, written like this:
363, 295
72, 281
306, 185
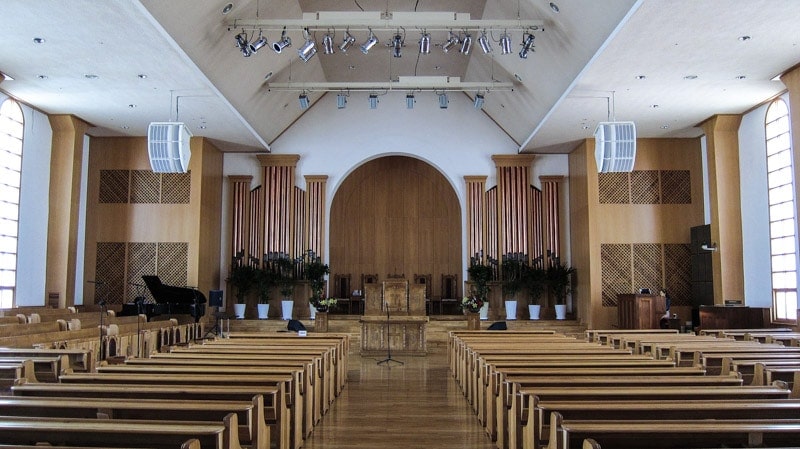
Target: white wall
457, 141
34, 204
755, 209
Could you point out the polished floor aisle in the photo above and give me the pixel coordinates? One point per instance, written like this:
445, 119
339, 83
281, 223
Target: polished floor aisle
415, 405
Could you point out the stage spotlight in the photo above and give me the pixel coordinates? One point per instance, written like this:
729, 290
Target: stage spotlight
485, 44
443, 101
341, 101
451, 42
505, 44
285, 41
466, 44
258, 44
478, 101
373, 101
410, 101
241, 40
308, 50
425, 44
527, 45
303, 98
347, 41
370, 42
397, 45
327, 45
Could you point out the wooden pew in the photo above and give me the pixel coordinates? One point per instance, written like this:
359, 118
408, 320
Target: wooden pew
12, 373
600, 335
252, 424
747, 367
79, 359
741, 332
789, 374
713, 359
45, 369
565, 434
127, 433
536, 427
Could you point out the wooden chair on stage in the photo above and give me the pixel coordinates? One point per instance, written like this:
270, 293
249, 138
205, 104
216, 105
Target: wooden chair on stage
425, 279
449, 291
341, 288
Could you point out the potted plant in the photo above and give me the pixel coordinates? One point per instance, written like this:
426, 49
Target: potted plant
559, 278
265, 280
242, 278
534, 280
511, 277
315, 272
480, 275
286, 281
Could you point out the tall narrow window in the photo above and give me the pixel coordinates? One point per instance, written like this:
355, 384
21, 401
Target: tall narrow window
11, 128
782, 219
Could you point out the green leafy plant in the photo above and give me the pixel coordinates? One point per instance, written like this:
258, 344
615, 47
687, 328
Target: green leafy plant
315, 272
559, 278
534, 279
243, 278
480, 275
513, 269
286, 276
471, 304
265, 280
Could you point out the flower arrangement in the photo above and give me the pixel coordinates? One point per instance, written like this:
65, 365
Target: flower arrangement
323, 304
471, 304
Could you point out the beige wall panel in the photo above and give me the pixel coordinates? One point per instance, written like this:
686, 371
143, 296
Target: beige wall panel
395, 215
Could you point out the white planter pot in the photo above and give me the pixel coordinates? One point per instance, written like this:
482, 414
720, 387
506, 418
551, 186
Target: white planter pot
286, 309
263, 311
238, 310
533, 311
313, 311
561, 311
511, 310
484, 311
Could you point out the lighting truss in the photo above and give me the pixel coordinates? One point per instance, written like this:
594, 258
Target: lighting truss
405, 83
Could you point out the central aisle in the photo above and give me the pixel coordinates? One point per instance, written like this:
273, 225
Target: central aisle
415, 405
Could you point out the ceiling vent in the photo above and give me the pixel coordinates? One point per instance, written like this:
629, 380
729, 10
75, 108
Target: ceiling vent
168, 147
615, 146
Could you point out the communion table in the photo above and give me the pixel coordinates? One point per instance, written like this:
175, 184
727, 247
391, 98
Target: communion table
394, 318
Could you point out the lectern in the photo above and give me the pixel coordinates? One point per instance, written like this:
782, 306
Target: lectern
406, 324
638, 311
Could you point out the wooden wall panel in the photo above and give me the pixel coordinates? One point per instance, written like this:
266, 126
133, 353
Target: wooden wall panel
395, 215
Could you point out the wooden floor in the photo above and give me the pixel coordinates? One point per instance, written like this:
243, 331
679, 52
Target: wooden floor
414, 405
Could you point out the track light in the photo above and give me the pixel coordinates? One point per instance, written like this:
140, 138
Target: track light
410, 101
478, 101
527, 45
327, 45
258, 44
425, 44
451, 42
341, 101
485, 44
466, 44
308, 50
373, 101
303, 98
283, 43
241, 40
371, 42
505, 44
397, 44
443, 101
347, 41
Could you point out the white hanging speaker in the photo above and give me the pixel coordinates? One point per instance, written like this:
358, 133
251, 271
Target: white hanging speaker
168, 147
615, 146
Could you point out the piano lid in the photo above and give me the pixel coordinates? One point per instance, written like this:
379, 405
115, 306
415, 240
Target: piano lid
170, 294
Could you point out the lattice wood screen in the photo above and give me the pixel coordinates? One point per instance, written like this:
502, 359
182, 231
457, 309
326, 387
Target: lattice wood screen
647, 266
110, 272
144, 187
615, 271
614, 188
114, 186
175, 188
676, 187
141, 261
644, 187
678, 273
172, 262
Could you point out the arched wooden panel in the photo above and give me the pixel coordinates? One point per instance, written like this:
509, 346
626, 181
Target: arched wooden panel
395, 215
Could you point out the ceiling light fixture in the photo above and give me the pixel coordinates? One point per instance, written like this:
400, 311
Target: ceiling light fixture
227, 8
341, 100
466, 44
397, 45
410, 100
308, 50
327, 44
484, 42
373, 101
369, 43
527, 45
452, 41
258, 44
554, 7
443, 101
303, 99
425, 44
478, 103
505, 44
347, 41
38, 40
284, 42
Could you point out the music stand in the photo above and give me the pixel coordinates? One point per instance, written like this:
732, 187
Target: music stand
388, 360
215, 300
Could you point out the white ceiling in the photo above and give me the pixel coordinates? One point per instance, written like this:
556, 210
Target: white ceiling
589, 53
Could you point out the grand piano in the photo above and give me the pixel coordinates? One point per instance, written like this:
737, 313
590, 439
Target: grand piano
170, 300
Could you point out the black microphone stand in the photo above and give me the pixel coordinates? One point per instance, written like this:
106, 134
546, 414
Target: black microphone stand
388, 360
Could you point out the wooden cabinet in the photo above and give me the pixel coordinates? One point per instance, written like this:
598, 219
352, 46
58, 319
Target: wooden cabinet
640, 311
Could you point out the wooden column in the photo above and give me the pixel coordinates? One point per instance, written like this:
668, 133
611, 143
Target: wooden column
551, 211
279, 217
315, 214
62, 231
240, 215
722, 142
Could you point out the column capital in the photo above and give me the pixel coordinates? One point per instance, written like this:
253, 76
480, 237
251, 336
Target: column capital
513, 160
278, 160
551, 178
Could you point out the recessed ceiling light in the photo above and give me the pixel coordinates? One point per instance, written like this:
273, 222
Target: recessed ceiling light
690, 77
351, 67
741, 77
38, 40
641, 77
744, 38
554, 7
519, 78
90, 76
664, 126
227, 8
131, 105
202, 126
267, 76
585, 127
125, 127
437, 67
654, 106
41, 77
142, 76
